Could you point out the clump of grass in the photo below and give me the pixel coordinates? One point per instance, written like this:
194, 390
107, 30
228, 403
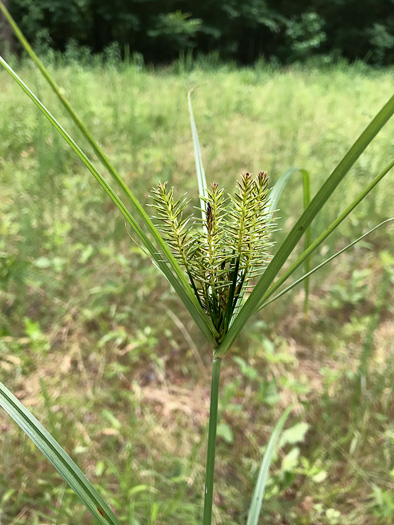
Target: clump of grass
222, 252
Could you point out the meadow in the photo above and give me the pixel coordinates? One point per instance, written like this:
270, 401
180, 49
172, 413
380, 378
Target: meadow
94, 342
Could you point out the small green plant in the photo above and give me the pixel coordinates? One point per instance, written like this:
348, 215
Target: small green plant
209, 267
383, 503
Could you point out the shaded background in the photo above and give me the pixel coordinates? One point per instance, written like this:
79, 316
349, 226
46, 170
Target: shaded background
160, 30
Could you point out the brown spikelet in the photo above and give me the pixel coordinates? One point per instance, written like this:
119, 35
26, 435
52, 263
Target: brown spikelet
209, 217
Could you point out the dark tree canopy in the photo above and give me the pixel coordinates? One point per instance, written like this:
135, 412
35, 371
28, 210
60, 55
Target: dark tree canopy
159, 30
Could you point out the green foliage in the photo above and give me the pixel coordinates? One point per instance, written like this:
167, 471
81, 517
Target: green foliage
259, 492
176, 30
383, 503
66, 467
304, 35
108, 287
245, 31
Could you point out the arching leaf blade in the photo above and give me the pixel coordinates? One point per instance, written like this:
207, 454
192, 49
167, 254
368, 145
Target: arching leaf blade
308, 237
278, 189
62, 462
164, 249
328, 231
275, 195
303, 223
316, 268
179, 282
93, 143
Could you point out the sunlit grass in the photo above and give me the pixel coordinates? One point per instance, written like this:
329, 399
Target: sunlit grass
152, 143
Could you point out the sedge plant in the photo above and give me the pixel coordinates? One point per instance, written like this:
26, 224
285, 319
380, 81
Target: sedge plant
222, 265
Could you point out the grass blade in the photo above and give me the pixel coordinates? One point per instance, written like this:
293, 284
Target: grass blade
66, 467
298, 281
274, 199
258, 494
303, 223
56, 89
164, 249
181, 286
202, 183
326, 233
308, 237
279, 186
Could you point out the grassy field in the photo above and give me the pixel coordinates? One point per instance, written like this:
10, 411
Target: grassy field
93, 341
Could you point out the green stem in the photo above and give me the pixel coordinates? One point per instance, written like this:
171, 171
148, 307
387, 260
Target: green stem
213, 416
308, 240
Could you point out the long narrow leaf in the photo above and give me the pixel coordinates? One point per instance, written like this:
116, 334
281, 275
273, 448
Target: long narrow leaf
163, 248
95, 146
202, 183
275, 195
303, 223
258, 494
298, 281
308, 236
184, 292
66, 467
328, 231
279, 187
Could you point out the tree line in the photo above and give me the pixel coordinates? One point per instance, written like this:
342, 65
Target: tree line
282, 31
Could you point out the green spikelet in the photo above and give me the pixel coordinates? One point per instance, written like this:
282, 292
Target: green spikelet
260, 231
241, 220
211, 254
247, 224
229, 248
212, 238
176, 229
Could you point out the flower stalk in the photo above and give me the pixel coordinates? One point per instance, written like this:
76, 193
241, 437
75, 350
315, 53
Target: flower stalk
213, 417
220, 259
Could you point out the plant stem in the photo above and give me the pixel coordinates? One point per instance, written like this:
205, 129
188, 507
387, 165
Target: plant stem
213, 416
307, 266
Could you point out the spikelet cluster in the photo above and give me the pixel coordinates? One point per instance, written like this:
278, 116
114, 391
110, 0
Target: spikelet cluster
224, 251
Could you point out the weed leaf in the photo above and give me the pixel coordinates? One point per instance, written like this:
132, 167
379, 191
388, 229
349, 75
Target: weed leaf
275, 195
316, 243
179, 282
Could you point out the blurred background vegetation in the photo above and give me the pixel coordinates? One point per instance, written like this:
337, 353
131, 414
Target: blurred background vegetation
94, 341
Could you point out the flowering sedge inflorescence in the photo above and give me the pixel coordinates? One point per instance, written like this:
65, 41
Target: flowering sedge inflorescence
221, 257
